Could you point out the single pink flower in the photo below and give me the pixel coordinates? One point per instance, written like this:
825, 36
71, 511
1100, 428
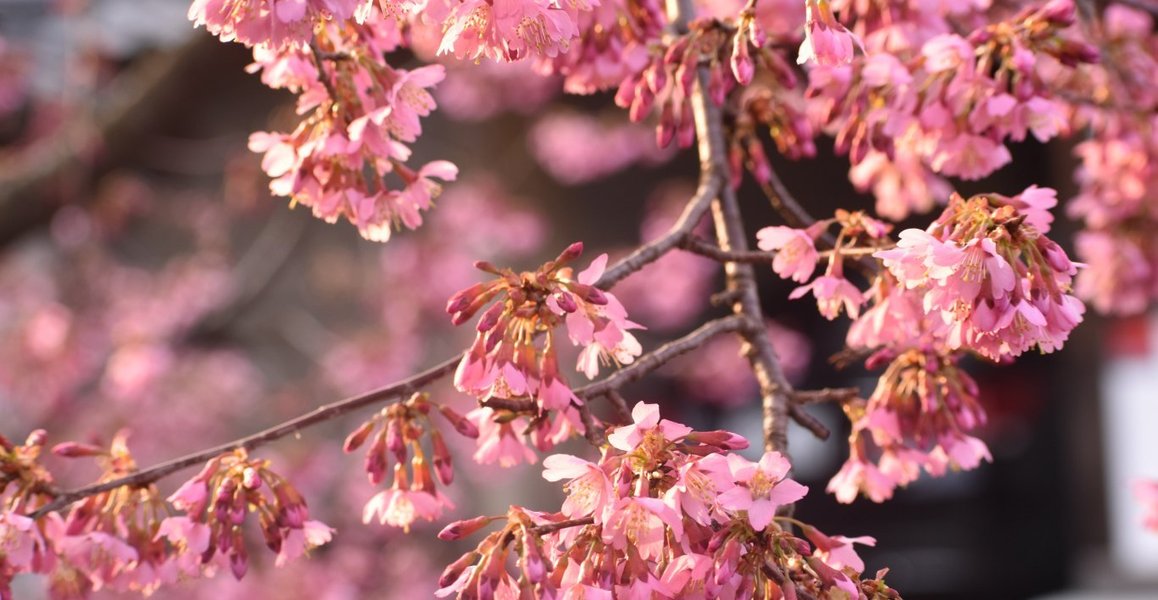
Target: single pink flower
298, 542
796, 253
499, 442
826, 41
645, 421
642, 523
832, 292
857, 476
589, 490
760, 488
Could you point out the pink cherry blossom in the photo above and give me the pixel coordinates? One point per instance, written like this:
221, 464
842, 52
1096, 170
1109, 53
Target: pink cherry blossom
645, 422
795, 249
760, 488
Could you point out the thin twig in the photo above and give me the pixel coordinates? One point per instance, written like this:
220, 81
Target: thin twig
622, 413
710, 183
707, 249
825, 395
637, 370
660, 356
553, 527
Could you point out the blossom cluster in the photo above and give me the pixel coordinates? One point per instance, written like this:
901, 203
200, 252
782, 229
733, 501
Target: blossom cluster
797, 256
126, 538
982, 278
1117, 178
216, 503
515, 352
361, 113
923, 105
397, 431
985, 265
666, 512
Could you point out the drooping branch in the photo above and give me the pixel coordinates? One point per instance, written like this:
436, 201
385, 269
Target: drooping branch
644, 255
774, 388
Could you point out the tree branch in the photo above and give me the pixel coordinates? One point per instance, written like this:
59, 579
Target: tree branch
711, 180
707, 249
825, 395
321, 414
660, 356
643, 365
553, 527
413, 384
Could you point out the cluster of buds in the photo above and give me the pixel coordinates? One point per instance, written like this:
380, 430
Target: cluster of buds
397, 431
111, 539
986, 267
216, 502
24, 483
918, 417
796, 258
666, 512
826, 41
514, 355
667, 80
361, 114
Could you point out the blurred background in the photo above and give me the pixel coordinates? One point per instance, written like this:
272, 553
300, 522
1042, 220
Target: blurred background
148, 281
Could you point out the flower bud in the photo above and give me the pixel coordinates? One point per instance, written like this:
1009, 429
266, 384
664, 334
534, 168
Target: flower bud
376, 460
238, 560
743, 69
724, 440
460, 423
76, 450
451, 573
36, 438
625, 95
443, 463
358, 436
490, 318
656, 76
250, 478
460, 529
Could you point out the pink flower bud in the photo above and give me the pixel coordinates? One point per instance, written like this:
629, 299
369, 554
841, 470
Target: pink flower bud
358, 436
460, 529
451, 573
250, 478
490, 318
742, 66
238, 560
443, 463
76, 450
460, 423
376, 460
